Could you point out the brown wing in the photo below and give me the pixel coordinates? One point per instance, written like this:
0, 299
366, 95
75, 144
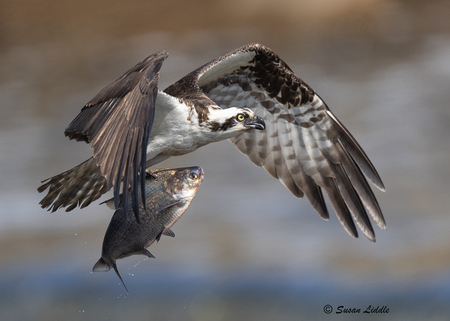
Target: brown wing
304, 144
117, 123
80, 185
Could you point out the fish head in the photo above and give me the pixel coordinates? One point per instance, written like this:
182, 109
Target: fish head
183, 183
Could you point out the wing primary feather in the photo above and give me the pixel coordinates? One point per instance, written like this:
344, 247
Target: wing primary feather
117, 123
315, 196
339, 206
146, 136
136, 180
134, 170
359, 182
116, 168
120, 173
373, 203
134, 190
126, 177
357, 152
321, 208
354, 203
125, 193
143, 165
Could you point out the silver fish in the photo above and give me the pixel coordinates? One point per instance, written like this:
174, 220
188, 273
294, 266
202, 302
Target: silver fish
168, 193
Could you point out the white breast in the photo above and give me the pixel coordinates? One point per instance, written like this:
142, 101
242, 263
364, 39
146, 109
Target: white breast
175, 129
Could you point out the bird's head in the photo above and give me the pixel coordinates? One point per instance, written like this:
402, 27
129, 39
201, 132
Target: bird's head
234, 120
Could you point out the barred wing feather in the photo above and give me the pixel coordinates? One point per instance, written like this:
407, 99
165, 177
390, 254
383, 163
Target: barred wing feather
117, 123
304, 145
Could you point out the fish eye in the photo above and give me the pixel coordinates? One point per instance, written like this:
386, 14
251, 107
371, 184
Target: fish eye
240, 117
193, 176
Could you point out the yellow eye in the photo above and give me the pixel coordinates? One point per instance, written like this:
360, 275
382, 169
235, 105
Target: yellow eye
193, 176
240, 117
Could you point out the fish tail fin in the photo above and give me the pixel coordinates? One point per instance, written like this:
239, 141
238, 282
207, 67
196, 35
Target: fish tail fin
101, 266
118, 274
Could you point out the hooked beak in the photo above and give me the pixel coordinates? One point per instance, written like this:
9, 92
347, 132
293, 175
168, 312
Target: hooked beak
256, 123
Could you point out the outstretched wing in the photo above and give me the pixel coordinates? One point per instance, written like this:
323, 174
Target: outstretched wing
117, 123
304, 144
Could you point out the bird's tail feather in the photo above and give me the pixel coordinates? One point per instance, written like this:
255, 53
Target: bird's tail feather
78, 186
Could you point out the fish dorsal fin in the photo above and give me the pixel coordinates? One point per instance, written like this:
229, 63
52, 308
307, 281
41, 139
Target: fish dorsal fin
147, 253
118, 274
171, 203
101, 266
168, 232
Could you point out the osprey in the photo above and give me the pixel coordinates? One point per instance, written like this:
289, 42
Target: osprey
132, 125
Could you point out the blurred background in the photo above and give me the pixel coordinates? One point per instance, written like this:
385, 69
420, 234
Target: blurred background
246, 249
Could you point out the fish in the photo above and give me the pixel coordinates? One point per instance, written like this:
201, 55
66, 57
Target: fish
168, 194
